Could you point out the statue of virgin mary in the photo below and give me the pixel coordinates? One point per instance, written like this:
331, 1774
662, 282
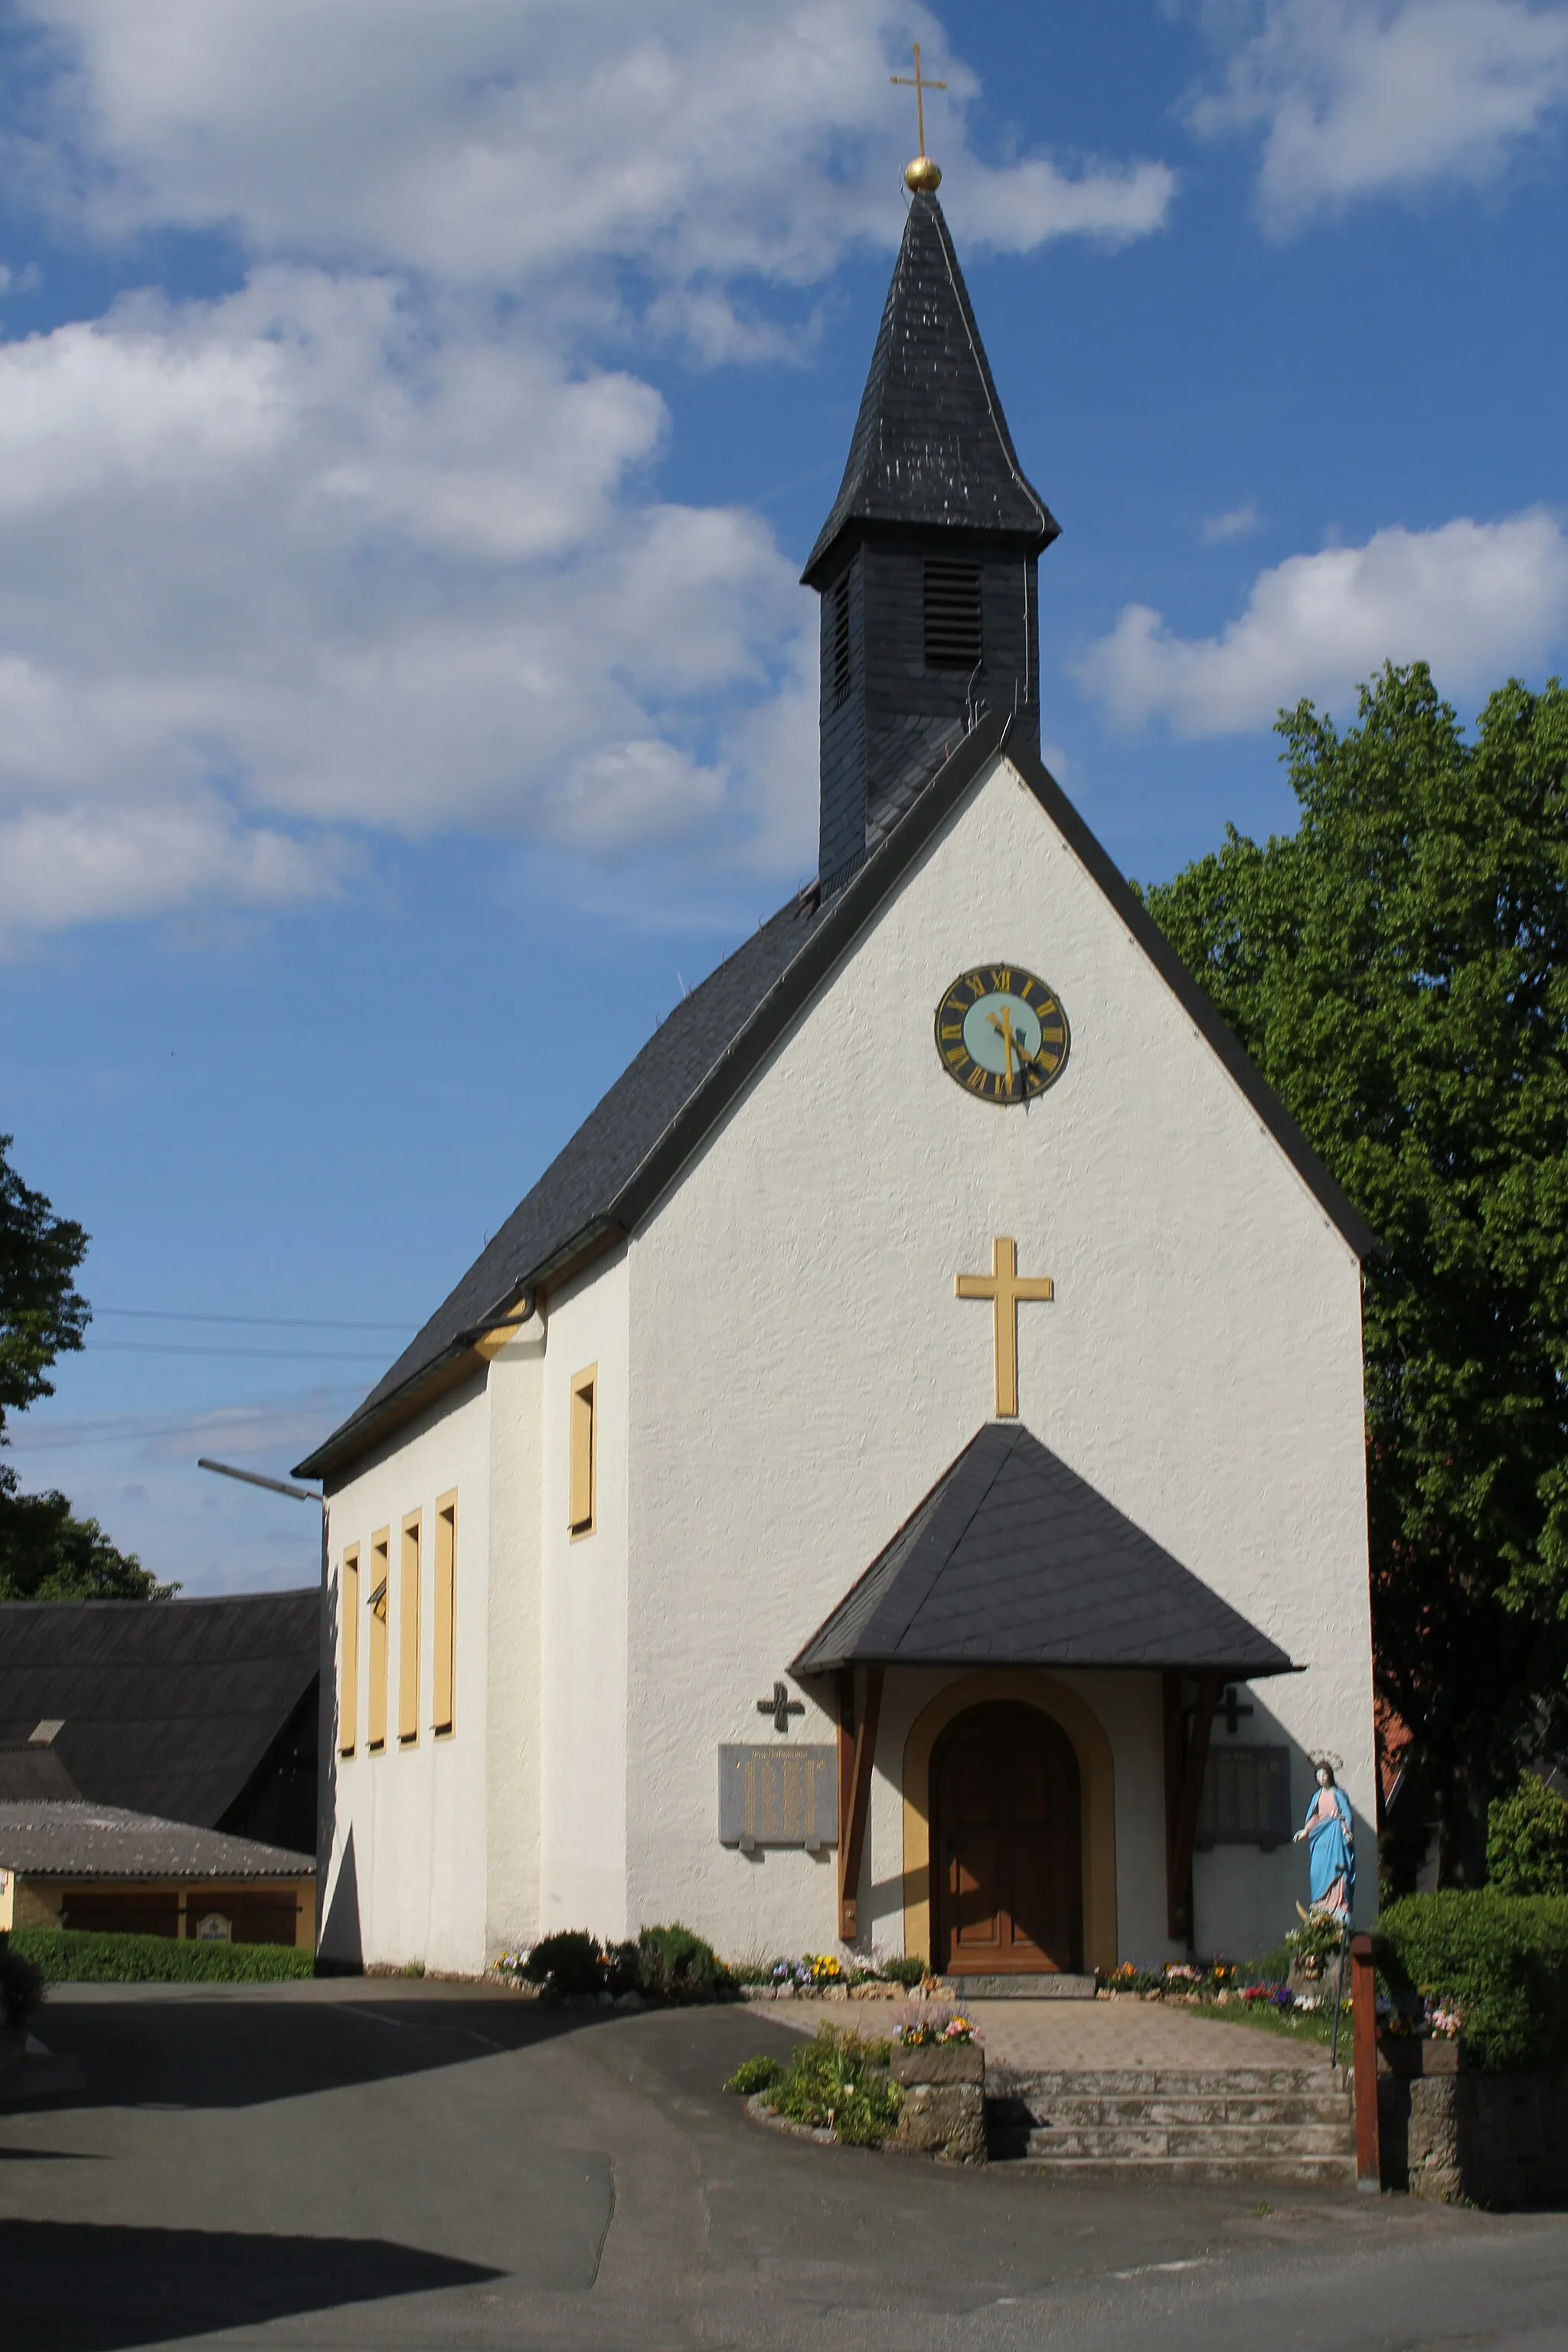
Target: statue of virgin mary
1331, 1850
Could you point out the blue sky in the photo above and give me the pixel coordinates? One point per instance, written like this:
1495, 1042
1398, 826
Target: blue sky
414, 420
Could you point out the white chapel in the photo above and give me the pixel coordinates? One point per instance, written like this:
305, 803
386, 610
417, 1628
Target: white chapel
896, 1481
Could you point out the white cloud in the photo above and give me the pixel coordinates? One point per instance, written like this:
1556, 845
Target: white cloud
1235, 524
494, 141
1477, 601
1364, 96
375, 542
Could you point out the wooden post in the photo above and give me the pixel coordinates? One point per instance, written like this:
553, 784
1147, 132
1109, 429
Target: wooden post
1363, 2031
1182, 1819
852, 1819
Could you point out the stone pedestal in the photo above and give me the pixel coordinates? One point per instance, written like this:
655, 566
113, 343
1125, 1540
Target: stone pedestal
943, 2114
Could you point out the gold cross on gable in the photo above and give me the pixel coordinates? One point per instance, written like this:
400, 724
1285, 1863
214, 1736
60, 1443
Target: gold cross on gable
920, 87
1003, 1285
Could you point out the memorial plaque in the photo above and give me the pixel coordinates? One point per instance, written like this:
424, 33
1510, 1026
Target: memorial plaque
1246, 1797
778, 1796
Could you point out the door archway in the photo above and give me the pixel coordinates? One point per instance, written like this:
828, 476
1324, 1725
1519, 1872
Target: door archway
1007, 1816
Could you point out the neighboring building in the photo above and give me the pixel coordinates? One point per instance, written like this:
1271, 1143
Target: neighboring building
898, 1477
68, 1863
199, 1711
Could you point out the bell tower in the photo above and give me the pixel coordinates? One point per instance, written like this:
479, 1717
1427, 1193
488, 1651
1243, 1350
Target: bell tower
926, 564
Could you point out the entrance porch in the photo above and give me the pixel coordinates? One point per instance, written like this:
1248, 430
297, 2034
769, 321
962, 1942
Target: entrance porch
1008, 1624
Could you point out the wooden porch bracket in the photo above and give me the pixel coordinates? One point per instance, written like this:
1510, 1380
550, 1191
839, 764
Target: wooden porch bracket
856, 1752
1187, 1761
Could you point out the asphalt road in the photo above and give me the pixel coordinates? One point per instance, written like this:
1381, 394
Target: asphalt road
401, 2166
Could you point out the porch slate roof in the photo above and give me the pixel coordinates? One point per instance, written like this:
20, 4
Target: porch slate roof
1014, 1559
51, 1838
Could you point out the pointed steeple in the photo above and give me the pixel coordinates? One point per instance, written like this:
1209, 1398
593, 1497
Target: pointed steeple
932, 450
926, 564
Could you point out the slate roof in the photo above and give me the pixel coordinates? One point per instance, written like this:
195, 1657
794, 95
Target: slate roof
27, 1770
694, 1066
51, 1839
931, 448
167, 1706
1014, 1559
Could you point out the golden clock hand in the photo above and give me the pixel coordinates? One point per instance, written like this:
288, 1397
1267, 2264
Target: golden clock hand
1003, 1029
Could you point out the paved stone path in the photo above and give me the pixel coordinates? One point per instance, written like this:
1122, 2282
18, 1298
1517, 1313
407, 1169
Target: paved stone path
1036, 2036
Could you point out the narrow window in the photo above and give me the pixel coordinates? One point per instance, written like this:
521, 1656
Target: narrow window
585, 1450
841, 639
348, 1651
408, 1635
379, 1570
953, 636
445, 1612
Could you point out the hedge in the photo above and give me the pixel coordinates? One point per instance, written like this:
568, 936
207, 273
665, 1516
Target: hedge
1502, 1959
79, 1956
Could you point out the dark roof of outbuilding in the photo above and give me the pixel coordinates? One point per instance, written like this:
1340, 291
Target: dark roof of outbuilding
167, 1706
1013, 1559
28, 1770
930, 449
657, 1112
50, 1839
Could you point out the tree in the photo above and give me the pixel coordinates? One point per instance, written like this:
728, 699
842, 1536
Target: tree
46, 1553
42, 1313
1397, 968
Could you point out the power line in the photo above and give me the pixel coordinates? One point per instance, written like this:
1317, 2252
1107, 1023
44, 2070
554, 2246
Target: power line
273, 1355
276, 1322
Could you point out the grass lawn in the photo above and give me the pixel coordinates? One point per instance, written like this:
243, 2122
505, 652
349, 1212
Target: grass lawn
1314, 2025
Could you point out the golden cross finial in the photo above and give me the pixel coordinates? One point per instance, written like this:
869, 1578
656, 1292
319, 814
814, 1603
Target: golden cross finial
1005, 1286
922, 177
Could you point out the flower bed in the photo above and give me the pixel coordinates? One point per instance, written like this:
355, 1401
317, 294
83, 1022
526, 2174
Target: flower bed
837, 2081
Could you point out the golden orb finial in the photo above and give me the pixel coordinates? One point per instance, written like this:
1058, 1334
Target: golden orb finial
922, 177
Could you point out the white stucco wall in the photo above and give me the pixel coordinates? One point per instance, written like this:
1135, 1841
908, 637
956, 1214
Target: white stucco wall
800, 1372
514, 1723
416, 1814
583, 1619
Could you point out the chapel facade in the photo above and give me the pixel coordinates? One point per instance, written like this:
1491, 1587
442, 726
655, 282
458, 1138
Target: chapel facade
896, 1481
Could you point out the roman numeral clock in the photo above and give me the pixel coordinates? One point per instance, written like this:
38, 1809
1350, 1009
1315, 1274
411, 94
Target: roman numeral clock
1002, 1034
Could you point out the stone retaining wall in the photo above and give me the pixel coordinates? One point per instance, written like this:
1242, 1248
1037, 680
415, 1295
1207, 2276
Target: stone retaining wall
1449, 2134
943, 2114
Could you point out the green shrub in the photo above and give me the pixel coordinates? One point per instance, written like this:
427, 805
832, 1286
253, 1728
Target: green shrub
840, 2081
754, 2074
1502, 1960
21, 1987
907, 1972
567, 1964
675, 1965
1527, 1841
79, 1956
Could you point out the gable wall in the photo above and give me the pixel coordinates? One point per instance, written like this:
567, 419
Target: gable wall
801, 1370
416, 1814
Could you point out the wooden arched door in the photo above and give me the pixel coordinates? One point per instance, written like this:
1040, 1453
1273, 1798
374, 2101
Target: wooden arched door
1006, 1849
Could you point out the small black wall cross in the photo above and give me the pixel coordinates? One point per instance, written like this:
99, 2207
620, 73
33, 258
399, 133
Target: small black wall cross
780, 1707
1231, 1708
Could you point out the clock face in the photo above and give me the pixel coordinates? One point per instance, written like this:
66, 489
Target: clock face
1001, 1034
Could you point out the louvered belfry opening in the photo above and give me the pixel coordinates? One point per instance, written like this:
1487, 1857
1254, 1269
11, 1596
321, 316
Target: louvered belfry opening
954, 638
841, 663
926, 564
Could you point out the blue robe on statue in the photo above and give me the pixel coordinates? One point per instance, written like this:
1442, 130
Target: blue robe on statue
1330, 1853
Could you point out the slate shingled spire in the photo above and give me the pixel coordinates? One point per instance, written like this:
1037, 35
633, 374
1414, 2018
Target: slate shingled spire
926, 564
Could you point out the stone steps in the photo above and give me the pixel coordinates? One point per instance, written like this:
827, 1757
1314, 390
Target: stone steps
1172, 2123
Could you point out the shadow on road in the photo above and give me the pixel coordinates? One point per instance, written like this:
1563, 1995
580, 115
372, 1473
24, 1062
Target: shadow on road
130, 2286
238, 2053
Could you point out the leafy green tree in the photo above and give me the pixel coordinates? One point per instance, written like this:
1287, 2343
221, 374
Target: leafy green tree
1527, 1839
42, 1313
46, 1553
1398, 968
